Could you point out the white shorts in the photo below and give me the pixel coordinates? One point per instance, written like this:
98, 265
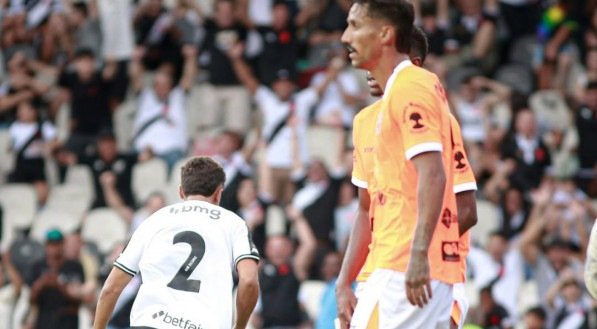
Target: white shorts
358, 291
383, 305
460, 306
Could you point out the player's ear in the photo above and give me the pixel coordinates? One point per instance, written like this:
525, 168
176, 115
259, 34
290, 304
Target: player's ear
218, 194
181, 193
388, 35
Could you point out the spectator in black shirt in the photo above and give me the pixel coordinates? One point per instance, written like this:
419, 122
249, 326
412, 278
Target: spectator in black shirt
586, 121
87, 89
528, 150
280, 45
228, 100
281, 275
55, 287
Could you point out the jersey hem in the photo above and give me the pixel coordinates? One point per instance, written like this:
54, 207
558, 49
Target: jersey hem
358, 183
470, 186
423, 148
125, 269
241, 257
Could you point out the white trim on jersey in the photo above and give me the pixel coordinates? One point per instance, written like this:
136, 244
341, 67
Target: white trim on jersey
470, 186
423, 148
125, 269
359, 183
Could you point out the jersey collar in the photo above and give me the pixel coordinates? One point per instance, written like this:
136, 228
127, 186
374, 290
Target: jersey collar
401, 66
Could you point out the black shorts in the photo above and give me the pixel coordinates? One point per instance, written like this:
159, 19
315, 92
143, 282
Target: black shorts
28, 171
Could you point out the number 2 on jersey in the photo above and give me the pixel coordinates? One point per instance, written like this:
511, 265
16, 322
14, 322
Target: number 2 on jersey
181, 280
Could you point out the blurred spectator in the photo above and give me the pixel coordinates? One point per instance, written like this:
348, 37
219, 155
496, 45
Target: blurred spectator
535, 318
160, 122
317, 193
56, 46
490, 314
586, 121
525, 146
279, 42
338, 101
111, 171
280, 277
76, 250
500, 268
327, 20
32, 140
87, 91
344, 215
235, 156
327, 310
116, 28
554, 33
16, 36
84, 25
521, 16
252, 206
155, 201
552, 255
55, 287
568, 302
514, 213
280, 105
228, 100
591, 263
20, 86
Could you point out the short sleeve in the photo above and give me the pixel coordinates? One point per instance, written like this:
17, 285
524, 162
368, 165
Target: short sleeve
464, 178
358, 172
420, 118
242, 243
128, 261
264, 97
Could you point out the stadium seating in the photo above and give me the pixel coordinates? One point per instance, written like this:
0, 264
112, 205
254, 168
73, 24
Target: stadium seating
105, 228
310, 294
61, 219
7, 158
19, 203
276, 221
124, 119
148, 177
518, 76
488, 221
82, 177
70, 198
322, 150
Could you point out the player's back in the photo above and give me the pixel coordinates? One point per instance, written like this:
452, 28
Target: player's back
186, 255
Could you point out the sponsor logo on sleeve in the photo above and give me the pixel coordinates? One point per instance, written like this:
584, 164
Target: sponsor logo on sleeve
450, 251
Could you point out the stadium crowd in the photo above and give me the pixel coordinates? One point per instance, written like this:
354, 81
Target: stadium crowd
102, 100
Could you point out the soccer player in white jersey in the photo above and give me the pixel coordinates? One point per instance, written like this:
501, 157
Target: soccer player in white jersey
186, 254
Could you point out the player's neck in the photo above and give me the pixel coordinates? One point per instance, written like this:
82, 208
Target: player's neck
387, 62
208, 199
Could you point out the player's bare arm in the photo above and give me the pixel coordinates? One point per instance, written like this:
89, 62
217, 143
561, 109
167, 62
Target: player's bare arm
354, 259
467, 211
248, 291
115, 283
430, 195
242, 69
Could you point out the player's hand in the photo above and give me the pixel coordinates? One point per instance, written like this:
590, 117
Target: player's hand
418, 282
236, 51
346, 303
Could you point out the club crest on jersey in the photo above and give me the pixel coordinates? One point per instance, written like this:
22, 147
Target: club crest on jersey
414, 118
450, 251
460, 160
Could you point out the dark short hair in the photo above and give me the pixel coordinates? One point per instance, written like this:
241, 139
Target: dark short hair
592, 85
201, 176
84, 53
400, 13
81, 7
538, 311
419, 46
237, 137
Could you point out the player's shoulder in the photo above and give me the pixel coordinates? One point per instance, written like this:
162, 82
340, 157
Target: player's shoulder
416, 78
366, 113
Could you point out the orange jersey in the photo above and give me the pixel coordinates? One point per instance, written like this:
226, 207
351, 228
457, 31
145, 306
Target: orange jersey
362, 173
464, 180
414, 118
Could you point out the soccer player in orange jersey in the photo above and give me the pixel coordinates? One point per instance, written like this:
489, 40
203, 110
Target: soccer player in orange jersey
464, 187
416, 260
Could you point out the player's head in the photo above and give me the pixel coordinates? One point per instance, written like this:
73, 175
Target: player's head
535, 318
419, 46
418, 52
202, 176
375, 25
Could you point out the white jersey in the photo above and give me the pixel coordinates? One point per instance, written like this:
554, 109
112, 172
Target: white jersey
186, 254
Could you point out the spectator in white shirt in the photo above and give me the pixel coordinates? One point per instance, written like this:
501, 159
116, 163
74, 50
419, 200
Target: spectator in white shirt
160, 123
32, 139
279, 104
